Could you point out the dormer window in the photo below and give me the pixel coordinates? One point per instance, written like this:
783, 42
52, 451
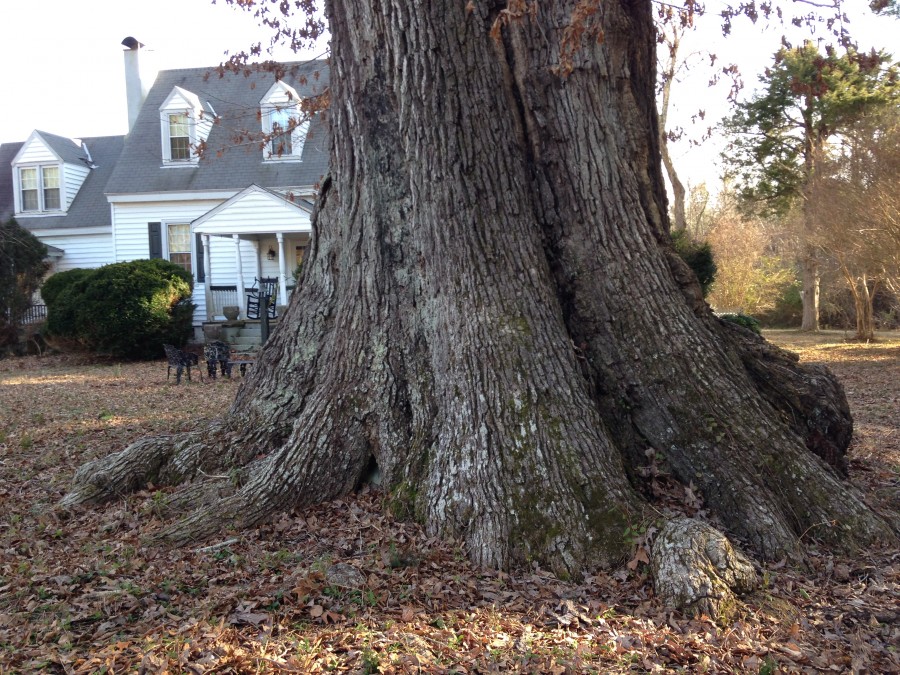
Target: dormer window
39, 188
179, 137
280, 123
47, 173
184, 125
283, 123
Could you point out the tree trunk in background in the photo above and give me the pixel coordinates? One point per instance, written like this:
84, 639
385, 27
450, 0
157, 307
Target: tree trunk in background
809, 278
678, 191
492, 313
863, 303
672, 42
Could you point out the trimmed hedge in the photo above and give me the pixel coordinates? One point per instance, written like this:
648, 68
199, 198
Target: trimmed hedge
127, 310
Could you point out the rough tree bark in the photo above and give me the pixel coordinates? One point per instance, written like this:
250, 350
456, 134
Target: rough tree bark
491, 311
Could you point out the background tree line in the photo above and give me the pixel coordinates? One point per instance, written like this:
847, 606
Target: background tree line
808, 199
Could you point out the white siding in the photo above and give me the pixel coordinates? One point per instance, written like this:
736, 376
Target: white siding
204, 122
81, 250
73, 177
132, 242
258, 213
223, 261
130, 223
270, 267
36, 151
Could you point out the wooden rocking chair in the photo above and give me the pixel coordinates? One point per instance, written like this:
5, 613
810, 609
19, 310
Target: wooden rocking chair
263, 291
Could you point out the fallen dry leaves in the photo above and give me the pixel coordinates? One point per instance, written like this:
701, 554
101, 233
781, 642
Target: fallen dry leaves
345, 588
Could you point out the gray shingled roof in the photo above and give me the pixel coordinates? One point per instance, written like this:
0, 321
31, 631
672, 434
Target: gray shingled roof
90, 207
226, 165
67, 149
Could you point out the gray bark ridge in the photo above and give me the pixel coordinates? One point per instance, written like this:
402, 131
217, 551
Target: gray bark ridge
491, 312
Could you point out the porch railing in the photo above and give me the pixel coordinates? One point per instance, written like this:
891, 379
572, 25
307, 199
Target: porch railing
226, 295
222, 296
33, 314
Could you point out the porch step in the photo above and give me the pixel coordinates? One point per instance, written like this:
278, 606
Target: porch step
245, 340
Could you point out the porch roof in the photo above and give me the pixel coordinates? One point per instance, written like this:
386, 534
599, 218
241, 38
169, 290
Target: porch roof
255, 211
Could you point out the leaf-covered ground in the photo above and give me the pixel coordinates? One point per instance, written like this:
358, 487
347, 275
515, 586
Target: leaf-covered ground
345, 588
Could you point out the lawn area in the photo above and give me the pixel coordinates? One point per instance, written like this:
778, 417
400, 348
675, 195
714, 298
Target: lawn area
90, 592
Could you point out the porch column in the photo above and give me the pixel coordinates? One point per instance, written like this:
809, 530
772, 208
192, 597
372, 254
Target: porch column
210, 310
242, 298
258, 259
282, 270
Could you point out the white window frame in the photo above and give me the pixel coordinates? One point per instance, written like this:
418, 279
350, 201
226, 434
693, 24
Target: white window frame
41, 188
165, 124
166, 252
289, 115
298, 133
187, 135
282, 98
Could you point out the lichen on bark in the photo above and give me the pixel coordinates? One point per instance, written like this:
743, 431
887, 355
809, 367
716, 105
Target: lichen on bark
492, 313
697, 570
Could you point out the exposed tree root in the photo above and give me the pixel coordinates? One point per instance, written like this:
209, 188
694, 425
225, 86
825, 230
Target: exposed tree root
492, 314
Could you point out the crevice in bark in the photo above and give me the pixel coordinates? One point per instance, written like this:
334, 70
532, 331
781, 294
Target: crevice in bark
496, 319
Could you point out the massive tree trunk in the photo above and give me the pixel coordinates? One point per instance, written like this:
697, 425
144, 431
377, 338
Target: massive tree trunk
491, 312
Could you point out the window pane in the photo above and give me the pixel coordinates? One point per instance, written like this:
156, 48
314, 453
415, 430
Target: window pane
179, 237
183, 259
51, 176
51, 199
280, 120
29, 200
178, 125
28, 178
281, 145
180, 148
28, 181
179, 137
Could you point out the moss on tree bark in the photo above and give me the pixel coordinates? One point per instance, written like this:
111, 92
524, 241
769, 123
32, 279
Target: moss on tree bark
491, 311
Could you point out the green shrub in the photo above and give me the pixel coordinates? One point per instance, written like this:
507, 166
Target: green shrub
127, 310
698, 256
62, 293
744, 320
22, 265
55, 284
787, 309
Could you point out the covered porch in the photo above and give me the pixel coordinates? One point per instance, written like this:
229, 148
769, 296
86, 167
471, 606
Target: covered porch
257, 234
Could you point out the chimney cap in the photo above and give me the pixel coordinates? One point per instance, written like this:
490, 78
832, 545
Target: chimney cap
131, 43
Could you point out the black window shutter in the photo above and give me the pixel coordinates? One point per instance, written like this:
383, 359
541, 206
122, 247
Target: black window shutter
201, 268
155, 232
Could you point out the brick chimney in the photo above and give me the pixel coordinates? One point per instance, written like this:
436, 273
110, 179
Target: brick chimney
135, 87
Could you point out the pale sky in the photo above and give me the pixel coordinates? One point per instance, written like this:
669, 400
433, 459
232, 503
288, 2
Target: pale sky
62, 65
752, 48
63, 68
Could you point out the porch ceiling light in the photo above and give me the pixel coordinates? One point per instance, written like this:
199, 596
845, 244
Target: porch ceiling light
271, 254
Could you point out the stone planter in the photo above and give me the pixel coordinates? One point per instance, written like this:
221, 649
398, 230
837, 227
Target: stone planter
212, 331
231, 312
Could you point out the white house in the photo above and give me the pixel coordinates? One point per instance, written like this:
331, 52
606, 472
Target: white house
54, 187
191, 181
